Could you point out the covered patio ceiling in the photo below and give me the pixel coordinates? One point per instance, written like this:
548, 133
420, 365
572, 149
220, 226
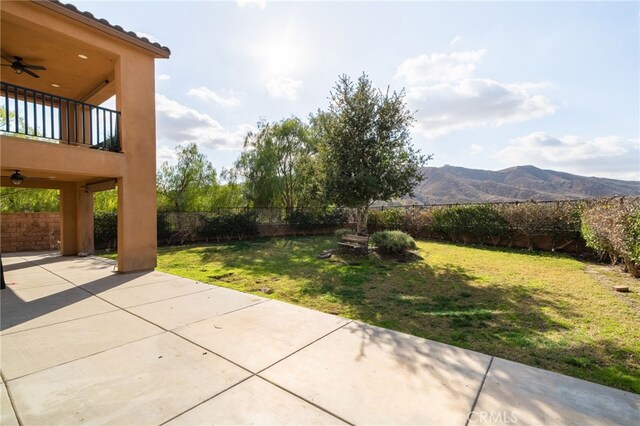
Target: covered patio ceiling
77, 78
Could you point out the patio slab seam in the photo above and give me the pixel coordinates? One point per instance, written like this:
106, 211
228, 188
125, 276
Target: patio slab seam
213, 287
302, 348
145, 320
84, 356
156, 301
9, 333
135, 285
475, 401
257, 374
13, 405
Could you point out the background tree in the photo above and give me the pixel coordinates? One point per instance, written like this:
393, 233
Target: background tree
276, 164
185, 185
367, 148
105, 201
29, 200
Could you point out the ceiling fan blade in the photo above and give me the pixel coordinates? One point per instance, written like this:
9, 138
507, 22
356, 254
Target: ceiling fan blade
34, 67
7, 58
5, 65
31, 73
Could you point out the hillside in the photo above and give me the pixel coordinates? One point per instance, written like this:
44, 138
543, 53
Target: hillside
450, 184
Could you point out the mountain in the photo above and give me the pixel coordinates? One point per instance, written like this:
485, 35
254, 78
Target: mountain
448, 184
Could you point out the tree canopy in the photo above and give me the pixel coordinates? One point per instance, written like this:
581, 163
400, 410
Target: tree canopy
277, 165
367, 147
181, 186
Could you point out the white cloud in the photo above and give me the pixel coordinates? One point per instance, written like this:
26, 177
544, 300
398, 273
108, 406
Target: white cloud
475, 149
251, 3
439, 67
455, 40
228, 98
445, 107
151, 38
284, 87
594, 156
166, 153
164, 77
178, 123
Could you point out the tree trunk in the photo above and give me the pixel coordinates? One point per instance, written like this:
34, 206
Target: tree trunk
362, 218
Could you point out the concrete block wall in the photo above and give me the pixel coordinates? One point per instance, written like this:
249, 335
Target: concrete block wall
29, 232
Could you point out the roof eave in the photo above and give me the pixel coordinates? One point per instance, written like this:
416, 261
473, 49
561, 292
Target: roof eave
103, 25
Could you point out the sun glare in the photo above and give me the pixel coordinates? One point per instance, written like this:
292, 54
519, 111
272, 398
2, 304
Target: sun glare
281, 58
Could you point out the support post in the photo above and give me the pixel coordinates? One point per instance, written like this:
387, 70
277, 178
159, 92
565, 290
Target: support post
69, 217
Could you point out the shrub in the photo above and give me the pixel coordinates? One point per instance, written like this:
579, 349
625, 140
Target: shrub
342, 232
105, 229
418, 223
305, 220
229, 226
241, 225
393, 242
633, 236
164, 229
386, 219
559, 220
612, 229
482, 222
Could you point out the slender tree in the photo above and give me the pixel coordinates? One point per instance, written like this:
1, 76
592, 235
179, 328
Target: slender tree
367, 148
185, 185
276, 163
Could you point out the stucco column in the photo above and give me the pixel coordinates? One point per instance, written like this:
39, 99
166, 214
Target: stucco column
135, 99
85, 220
68, 219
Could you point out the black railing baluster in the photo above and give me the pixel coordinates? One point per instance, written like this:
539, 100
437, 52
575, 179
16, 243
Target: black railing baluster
90, 125
15, 108
84, 135
68, 124
26, 113
6, 107
53, 136
59, 102
97, 126
35, 114
118, 148
101, 129
75, 122
44, 117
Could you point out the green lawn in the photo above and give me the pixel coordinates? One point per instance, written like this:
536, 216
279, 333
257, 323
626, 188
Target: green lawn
542, 309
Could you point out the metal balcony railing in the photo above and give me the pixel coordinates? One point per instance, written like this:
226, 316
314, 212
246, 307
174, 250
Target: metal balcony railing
36, 115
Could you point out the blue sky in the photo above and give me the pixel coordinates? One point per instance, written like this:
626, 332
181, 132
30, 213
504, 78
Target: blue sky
493, 84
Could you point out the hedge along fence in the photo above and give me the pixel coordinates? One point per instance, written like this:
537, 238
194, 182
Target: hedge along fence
551, 226
612, 228
224, 224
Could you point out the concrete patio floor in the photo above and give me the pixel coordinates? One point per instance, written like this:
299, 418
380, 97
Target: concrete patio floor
82, 344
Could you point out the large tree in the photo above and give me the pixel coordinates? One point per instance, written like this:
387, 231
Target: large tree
276, 164
367, 148
185, 185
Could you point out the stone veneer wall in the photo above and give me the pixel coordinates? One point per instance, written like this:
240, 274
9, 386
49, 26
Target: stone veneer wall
29, 232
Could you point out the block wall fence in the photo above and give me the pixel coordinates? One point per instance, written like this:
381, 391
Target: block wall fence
29, 232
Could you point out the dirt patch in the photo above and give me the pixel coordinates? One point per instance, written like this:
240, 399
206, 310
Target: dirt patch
610, 276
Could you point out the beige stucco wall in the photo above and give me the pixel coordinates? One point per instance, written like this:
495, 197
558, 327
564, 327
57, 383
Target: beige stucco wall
134, 168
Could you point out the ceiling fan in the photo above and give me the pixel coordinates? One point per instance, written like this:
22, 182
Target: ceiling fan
17, 65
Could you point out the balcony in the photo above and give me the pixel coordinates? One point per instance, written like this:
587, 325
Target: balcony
35, 115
